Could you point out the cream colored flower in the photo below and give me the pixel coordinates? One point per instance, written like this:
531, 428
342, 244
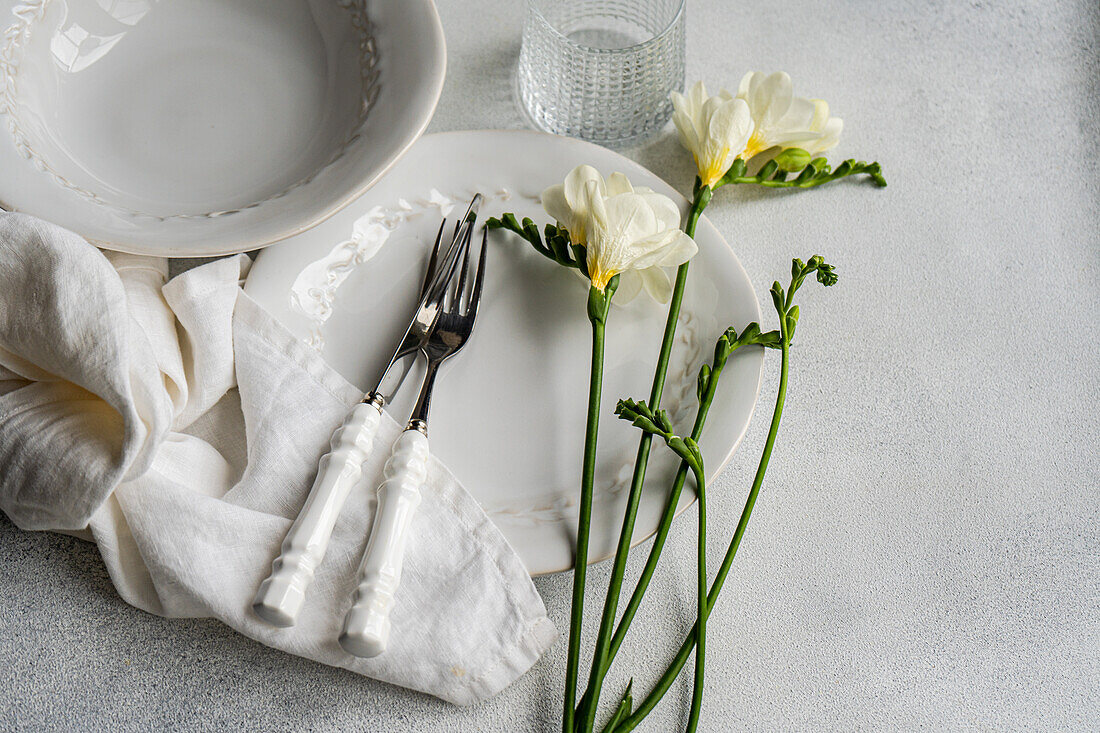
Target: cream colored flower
782, 120
829, 127
714, 129
631, 232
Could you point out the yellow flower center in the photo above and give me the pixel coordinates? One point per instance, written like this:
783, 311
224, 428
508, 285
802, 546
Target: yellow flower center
600, 278
711, 170
756, 145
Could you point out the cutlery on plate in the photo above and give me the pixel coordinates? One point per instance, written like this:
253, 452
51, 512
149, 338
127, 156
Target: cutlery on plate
367, 625
280, 597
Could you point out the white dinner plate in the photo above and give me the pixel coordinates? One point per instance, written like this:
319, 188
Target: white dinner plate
202, 127
508, 415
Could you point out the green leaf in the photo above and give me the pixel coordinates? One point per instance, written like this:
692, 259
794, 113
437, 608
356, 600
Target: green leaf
722, 349
778, 296
703, 382
797, 266
559, 245
752, 335
766, 172
735, 172
625, 707
807, 173
695, 451
580, 256
826, 276
640, 414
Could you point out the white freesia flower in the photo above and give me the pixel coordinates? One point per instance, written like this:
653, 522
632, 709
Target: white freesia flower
714, 129
783, 120
631, 232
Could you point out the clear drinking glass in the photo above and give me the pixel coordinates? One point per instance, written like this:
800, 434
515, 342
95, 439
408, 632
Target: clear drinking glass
601, 70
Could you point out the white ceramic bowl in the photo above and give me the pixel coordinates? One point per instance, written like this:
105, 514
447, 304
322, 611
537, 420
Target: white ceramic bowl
203, 127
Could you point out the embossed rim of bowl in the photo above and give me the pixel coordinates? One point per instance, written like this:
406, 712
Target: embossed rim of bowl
412, 68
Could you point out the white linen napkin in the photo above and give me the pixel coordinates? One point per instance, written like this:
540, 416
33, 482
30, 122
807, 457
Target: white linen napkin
181, 426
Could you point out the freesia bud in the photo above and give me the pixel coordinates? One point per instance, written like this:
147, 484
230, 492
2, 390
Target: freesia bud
792, 160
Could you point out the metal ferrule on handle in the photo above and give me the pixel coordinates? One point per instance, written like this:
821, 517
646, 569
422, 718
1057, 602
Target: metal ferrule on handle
367, 625
279, 599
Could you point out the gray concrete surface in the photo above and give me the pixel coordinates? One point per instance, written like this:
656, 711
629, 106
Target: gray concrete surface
925, 553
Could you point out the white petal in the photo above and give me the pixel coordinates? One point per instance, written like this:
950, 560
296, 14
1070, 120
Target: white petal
732, 124
697, 96
555, 205
800, 115
689, 135
772, 99
667, 213
576, 182
668, 249
680, 250
650, 251
748, 83
657, 283
821, 114
830, 137
618, 183
794, 138
630, 284
630, 220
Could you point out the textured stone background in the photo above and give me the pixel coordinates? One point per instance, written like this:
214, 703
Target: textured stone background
925, 553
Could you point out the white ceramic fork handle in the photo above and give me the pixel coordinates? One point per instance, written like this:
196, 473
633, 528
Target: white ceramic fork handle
367, 625
280, 597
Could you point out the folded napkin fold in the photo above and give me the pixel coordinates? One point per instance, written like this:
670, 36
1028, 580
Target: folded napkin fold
180, 426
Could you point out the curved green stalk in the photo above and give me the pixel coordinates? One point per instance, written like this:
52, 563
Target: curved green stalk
788, 318
704, 606
598, 304
601, 660
631, 721
666, 519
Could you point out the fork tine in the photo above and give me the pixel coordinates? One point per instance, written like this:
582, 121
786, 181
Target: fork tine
460, 291
430, 273
451, 293
443, 277
475, 295
454, 294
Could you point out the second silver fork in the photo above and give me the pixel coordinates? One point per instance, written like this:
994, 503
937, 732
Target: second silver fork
367, 624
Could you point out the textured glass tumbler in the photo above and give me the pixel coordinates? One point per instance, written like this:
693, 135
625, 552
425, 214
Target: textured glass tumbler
601, 70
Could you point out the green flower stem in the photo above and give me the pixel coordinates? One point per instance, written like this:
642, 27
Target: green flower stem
666, 518
631, 721
601, 661
704, 605
599, 302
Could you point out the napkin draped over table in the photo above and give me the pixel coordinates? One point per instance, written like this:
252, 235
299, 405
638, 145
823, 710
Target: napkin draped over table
179, 426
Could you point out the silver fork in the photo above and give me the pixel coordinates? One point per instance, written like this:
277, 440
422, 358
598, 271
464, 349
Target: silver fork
367, 625
280, 597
